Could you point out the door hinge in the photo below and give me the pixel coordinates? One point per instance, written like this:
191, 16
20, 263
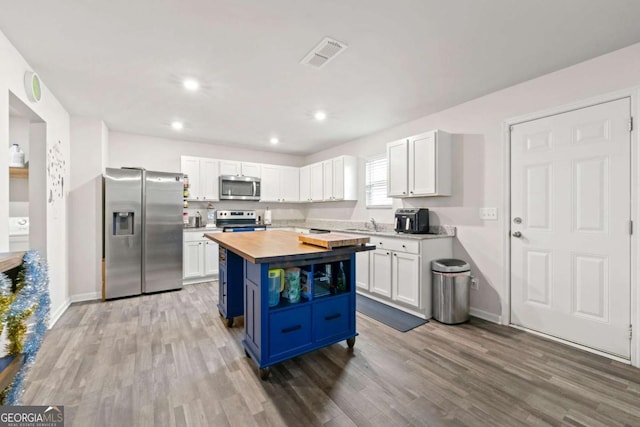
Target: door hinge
630, 331
630, 124
630, 227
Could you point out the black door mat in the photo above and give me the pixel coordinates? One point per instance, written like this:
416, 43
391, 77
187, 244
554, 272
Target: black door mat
390, 316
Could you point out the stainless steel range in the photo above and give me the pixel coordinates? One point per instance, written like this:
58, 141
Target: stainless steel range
238, 220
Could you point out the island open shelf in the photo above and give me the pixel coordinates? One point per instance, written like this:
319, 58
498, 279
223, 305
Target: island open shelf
324, 315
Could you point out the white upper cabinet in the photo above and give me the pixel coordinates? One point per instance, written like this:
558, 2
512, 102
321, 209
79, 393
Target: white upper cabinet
250, 169
315, 182
420, 166
340, 178
229, 167
232, 167
203, 177
305, 184
280, 184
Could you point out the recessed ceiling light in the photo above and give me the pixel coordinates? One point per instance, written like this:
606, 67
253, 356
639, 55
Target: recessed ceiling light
177, 125
274, 140
320, 115
191, 84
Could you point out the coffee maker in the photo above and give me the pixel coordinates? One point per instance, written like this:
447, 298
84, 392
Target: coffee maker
412, 221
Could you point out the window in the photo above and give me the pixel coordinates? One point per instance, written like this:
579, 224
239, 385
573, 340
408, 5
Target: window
376, 182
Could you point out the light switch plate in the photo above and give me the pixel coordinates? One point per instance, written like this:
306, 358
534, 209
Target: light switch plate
489, 214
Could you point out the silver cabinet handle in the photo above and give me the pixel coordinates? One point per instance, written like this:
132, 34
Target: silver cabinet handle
517, 234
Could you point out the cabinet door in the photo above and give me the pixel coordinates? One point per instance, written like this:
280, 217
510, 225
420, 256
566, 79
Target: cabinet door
422, 164
305, 184
327, 180
397, 173
290, 184
406, 278
362, 270
229, 167
209, 186
191, 166
192, 259
270, 184
380, 282
338, 178
210, 258
250, 169
316, 182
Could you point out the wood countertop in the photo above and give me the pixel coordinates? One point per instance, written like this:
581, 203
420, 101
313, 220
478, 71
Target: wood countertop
277, 246
9, 260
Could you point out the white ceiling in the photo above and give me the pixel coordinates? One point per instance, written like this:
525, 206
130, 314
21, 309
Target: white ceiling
123, 61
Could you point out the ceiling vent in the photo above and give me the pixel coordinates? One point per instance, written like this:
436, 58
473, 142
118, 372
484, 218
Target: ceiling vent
324, 52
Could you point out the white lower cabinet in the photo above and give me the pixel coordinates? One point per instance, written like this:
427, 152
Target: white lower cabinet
398, 271
200, 257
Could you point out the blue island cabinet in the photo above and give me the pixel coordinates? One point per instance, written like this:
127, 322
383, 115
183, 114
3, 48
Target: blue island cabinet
326, 316
230, 285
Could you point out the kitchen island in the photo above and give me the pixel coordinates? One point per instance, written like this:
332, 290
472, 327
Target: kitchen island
324, 316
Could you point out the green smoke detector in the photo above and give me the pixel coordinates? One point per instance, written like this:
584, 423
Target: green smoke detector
32, 86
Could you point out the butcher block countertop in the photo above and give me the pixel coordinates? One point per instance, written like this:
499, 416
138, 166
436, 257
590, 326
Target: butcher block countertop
277, 246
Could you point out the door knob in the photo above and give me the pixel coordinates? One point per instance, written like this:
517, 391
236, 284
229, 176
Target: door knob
517, 220
517, 234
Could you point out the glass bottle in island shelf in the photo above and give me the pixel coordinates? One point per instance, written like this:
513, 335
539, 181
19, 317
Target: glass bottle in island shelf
341, 281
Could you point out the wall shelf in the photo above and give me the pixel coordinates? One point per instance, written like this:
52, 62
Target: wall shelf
19, 173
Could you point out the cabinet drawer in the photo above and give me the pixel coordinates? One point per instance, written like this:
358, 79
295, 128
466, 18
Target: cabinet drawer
289, 330
195, 236
331, 318
400, 245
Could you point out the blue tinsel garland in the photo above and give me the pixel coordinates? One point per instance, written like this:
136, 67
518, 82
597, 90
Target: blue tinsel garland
35, 290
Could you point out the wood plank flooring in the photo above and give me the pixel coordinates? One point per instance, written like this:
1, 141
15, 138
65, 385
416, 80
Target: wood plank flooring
169, 360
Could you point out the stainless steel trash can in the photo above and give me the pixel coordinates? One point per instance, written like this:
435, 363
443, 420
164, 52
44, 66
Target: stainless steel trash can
450, 279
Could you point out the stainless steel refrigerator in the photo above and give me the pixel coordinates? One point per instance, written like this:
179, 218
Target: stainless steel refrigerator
142, 229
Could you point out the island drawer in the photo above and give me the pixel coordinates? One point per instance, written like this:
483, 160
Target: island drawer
331, 318
289, 330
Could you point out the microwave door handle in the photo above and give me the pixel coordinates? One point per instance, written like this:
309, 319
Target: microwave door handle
408, 224
397, 225
254, 188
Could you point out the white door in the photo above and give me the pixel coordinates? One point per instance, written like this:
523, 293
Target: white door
316, 182
380, 277
305, 184
338, 178
362, 270
327, 174
210, 258
270, 184
422, 164
290, 184
570, 202
250, 169
397, 174
406, 278
229, 167
192, 260
209, 186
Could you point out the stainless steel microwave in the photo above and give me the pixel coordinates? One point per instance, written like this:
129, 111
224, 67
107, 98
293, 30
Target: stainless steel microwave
233, 187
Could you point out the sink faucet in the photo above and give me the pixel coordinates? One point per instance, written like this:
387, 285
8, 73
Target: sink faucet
374, 224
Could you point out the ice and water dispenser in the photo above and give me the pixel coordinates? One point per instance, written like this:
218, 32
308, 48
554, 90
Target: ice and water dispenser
122, 223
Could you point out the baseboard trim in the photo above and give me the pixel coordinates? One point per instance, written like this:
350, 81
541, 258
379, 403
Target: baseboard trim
485, 315
197, 280
87, 296
574, 345
58, 313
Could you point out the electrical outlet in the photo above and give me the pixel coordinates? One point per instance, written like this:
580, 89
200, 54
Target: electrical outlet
474, 283
489, 214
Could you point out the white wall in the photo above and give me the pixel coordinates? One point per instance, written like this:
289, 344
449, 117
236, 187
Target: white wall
89, 141
12, 69
478, 155
163, 154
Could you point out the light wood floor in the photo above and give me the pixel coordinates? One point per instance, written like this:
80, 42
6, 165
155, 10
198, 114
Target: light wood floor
168, 359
